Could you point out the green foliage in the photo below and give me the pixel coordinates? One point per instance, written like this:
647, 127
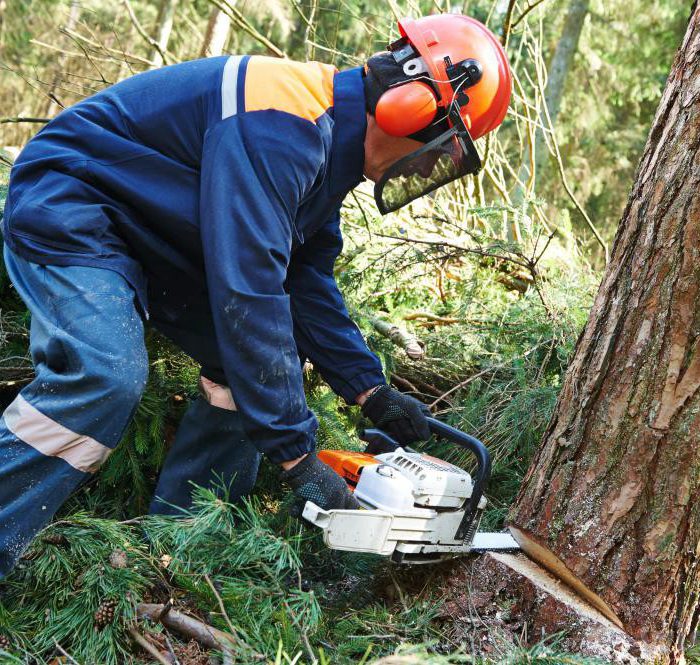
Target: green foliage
257, 571
545, 652
61, 582
500, 358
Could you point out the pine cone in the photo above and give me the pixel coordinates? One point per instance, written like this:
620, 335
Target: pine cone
5, 643
105, 613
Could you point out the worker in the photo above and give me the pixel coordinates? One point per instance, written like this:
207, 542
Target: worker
203, 199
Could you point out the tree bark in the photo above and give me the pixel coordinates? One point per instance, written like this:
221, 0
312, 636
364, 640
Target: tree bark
217, 33
611, 502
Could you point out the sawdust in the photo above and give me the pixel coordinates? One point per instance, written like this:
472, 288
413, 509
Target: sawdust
510, 598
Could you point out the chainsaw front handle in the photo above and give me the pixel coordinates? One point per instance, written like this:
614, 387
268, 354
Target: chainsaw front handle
381, 442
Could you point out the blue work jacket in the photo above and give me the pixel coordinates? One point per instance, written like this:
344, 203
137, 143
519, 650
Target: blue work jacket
214, 187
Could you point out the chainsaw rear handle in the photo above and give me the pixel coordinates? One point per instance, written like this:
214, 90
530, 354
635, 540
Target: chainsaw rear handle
381, 442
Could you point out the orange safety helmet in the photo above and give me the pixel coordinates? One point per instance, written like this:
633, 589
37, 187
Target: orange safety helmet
439, 40
453, 86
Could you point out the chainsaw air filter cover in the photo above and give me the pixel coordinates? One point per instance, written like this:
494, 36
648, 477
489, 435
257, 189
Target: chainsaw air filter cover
383, 487
404, 480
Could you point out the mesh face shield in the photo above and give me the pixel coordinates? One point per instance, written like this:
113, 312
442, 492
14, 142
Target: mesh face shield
450, 156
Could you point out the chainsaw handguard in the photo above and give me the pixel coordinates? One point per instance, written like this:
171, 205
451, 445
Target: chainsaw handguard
483, 469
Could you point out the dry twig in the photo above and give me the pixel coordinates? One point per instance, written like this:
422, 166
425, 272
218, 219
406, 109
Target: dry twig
139, 28
17, 119
207, 635
148, 647
221, 604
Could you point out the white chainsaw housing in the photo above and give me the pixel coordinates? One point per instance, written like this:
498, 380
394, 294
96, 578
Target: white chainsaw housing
413, 506
416, 480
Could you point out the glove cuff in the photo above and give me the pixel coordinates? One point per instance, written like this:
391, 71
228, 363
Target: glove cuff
374, 405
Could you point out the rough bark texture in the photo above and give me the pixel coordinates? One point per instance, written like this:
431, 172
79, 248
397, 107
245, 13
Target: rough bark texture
614, 491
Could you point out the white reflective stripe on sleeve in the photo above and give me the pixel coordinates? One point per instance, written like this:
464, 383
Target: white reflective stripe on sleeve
53, 439
229, 87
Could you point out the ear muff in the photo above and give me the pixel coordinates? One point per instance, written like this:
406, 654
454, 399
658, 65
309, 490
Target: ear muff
406, 109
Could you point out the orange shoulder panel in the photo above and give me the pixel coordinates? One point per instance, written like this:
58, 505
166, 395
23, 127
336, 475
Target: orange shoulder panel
302, 89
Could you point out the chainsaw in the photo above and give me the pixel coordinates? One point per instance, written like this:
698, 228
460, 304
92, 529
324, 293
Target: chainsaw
416, 508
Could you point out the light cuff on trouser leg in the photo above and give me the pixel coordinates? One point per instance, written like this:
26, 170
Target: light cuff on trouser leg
50, 438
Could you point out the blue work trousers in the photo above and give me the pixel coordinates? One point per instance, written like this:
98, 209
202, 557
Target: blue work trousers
87, 346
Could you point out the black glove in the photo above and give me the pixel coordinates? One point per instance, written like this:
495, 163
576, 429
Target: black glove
402, 417
312, 480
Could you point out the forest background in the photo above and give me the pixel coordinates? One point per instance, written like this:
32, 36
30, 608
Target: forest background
494, 275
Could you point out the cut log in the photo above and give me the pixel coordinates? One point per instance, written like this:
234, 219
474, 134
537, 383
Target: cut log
412, 346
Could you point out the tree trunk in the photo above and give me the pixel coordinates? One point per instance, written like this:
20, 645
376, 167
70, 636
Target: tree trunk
217, 33
164, 27
557, 72
53, 106
564, 55
611, 503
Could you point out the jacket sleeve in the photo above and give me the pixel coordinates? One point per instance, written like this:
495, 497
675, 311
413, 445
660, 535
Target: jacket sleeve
324, 332
251, 184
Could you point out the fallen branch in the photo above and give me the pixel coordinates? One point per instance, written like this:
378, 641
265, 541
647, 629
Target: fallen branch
430, 317
414, 348
148, 647
460, 248
18, 119
403, 383
221, 604
124, 57
478, 375
206, 635
65, 654
464, 384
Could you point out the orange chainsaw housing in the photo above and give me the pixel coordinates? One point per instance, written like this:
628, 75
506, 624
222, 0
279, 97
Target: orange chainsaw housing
347, 463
